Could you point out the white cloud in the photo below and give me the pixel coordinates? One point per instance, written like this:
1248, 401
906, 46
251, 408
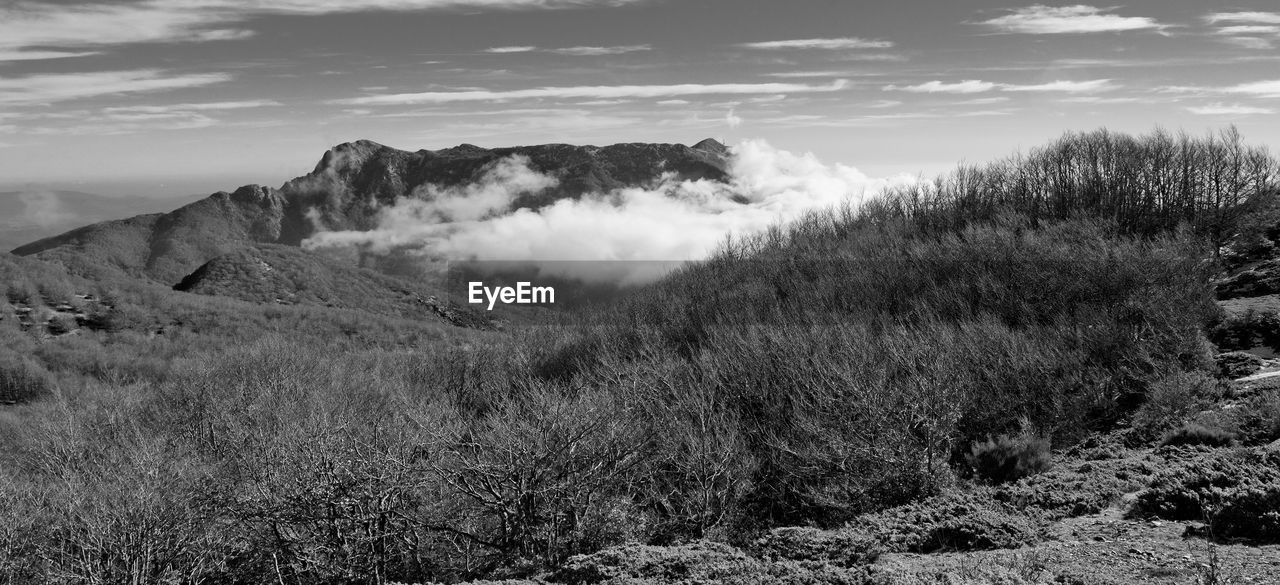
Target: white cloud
240, 105
1258, 88
966, 86
1041, 19
983, 101
675, 221
732, 119
1064, 86
806, 74
41, 55
1244, 17
969, 86
56, 87
46, 23
601, 51
1090, 99
1253, 29
1255, 43
592, 92
1219, 109
826, 44
508, 50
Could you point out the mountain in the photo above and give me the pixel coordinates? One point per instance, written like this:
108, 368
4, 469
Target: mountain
346, 189
27, 216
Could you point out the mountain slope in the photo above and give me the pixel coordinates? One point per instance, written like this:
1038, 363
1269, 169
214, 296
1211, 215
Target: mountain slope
345, 191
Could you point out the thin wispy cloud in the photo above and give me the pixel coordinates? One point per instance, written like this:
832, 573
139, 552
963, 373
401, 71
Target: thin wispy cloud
601, 51
48, 88
805, 74
1064, 86
44, 24
591, 92
508, 50
824, 44
1244, 17
1250, 30
1078, 19
196, 107
966, 86
1229, 110
42, 55
1270, 89
580, 51
969, 86
1097, 100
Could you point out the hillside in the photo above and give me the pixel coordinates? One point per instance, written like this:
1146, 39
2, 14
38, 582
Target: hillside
284, 275
973, 387
346, 189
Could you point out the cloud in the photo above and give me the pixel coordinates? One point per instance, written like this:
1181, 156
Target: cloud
1269, 89
1041, 19
1251, 30
969, 86
1090, 99
201, 107
732, 119
47, 23
1219, 109
56, 87
41, 55
806, 74
1256, 43
1064, 86
601, 51
1254, 29
508, 50
966, 86
825, 44
983, 101
582, 51
1244, 17
591, 92
677, 220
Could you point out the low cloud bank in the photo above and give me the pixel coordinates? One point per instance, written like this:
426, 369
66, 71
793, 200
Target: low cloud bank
677, 220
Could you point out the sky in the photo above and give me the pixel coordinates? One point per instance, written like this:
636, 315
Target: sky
180, 97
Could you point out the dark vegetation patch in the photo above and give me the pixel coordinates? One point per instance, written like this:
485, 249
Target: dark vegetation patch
1004, 459
700, 563
1237, 364
1097, 478
1236, 493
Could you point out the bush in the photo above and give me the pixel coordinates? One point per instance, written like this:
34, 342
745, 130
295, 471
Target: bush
1197, 434
1237, 493
1005, 459
699, 563
954, 522
23, 379
845, 548
1172, 400
1237, 364
1087, 488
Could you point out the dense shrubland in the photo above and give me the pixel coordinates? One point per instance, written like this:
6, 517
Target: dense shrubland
839, 369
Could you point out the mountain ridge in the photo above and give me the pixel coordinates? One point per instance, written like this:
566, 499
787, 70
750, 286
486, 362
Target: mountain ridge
345, 191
